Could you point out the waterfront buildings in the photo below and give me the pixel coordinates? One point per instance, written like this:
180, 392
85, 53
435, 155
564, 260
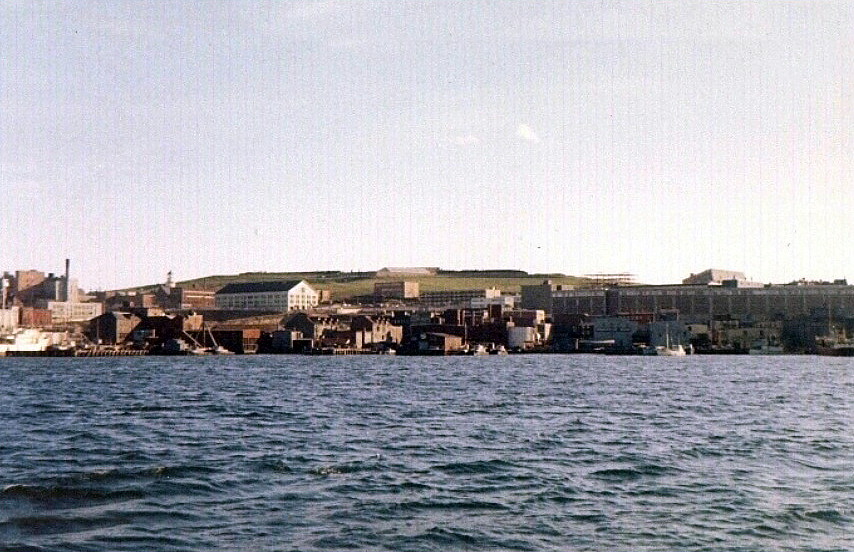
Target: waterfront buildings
171, 296
112, 328
455, 298
714, 310
697, 303
704, 303
167, 296
717, 310
357, 331
48, 299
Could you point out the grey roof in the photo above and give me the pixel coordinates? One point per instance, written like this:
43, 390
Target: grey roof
714, 275
258, 287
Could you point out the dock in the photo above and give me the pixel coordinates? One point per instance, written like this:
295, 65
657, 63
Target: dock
78, 353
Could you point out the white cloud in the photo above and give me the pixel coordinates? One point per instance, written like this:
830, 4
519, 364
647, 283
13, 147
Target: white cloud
527, 133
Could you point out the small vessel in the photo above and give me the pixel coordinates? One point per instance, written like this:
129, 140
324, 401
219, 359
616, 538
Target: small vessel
836, 344
187, 345
214, 348
219, 350
670, 350
766, 347
499, 350
26, 340
667, 349
477, 350
176, 347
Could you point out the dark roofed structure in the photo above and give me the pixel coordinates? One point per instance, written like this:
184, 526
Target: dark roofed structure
713, 276
258, 287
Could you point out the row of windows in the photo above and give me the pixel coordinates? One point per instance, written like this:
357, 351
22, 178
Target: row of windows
704, 305
792, 291
273, 301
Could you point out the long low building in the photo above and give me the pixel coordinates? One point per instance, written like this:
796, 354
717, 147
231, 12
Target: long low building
268, 296
456, 297
700, 303
396, 290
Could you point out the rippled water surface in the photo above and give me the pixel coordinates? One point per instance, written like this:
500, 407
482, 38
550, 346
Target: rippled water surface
540, 452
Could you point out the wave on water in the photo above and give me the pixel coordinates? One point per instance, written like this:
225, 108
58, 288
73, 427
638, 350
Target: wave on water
476, 467
66, 494
106, 484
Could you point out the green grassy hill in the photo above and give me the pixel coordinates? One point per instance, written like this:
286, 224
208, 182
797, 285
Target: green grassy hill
344, 285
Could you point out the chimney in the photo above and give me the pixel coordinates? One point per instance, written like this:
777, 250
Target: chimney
67, 281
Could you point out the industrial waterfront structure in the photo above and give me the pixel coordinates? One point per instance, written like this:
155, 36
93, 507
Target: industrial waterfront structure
698, 303
48, 299
713, 311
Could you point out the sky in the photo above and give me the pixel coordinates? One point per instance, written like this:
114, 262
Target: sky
657, 138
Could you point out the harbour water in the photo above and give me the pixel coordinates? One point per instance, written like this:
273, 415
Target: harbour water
539, 452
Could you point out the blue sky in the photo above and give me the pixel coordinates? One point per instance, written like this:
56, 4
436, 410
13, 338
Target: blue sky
658, 138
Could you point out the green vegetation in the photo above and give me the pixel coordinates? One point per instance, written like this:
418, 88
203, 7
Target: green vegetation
344, 285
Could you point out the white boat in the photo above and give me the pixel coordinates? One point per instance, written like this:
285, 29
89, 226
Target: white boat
765, 347
214, 348
24, 340
667, 349
477, 350
836, 344
677, 350
188, 345
219, 350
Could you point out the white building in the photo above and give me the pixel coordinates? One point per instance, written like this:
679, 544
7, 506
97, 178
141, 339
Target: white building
507, 302
268, 296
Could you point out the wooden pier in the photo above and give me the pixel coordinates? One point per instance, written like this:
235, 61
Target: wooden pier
78, 353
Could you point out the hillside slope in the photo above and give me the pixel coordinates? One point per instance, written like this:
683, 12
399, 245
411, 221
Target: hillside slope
344, 285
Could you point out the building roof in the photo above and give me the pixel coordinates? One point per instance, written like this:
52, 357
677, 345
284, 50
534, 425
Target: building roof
407, 271
259, 287
714, 275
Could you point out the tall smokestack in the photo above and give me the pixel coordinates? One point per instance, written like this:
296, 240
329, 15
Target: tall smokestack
67, 280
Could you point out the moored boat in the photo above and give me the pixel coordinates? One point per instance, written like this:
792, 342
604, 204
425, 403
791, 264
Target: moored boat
838, 344
668, 349
766, 347
27, 340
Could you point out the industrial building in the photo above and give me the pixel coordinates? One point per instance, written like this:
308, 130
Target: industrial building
398, 290
698, 303
456, 298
